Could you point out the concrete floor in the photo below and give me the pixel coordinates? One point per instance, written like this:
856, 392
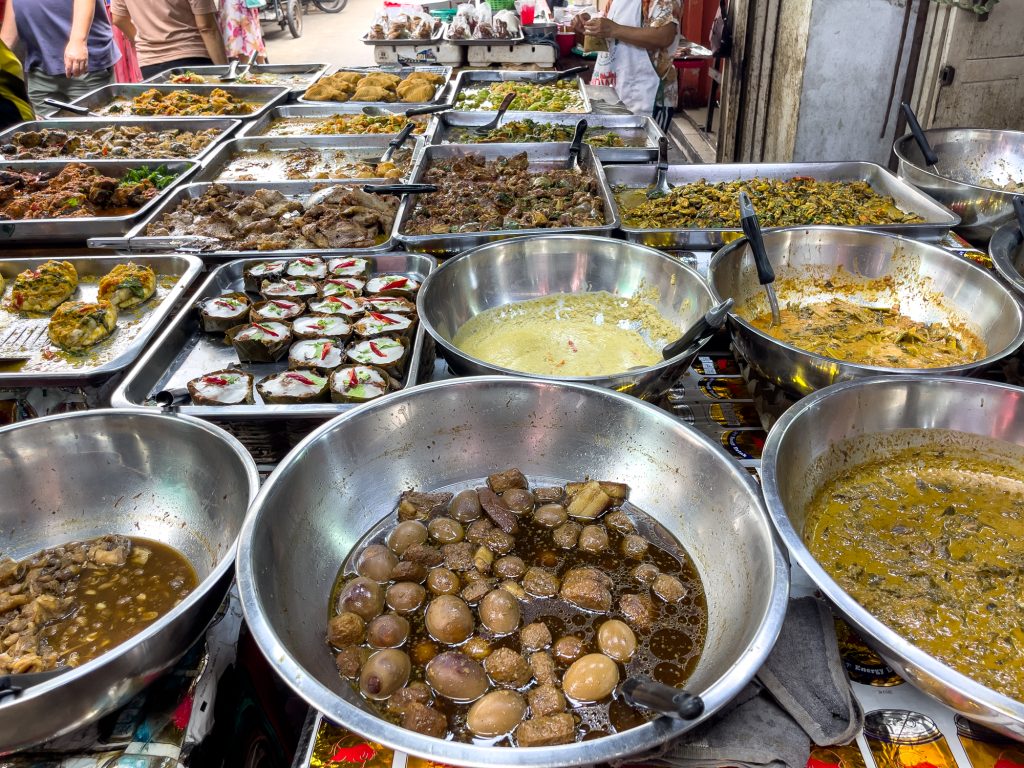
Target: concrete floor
330, 38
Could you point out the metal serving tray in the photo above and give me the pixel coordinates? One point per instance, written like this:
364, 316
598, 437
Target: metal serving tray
403, 72
296, 77
473, 78
641, 130
541, 156
184, 352
264, 96
45, 365
938, 220
137, 241
353, 147
305, 115
78, 229
90, 124
432, 40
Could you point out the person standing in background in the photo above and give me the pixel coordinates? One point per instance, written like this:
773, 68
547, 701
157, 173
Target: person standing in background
69, 47
127, 69
240, 27
170, 34
14, 103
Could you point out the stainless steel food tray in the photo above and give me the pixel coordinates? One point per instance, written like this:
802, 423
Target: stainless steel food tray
184, 352
46, 365
640, 129
264, 96
355, 147
474, 78
309, 112
137, 241
89, 124
541, 156
403, 72
77, 230
296, 77
938, 220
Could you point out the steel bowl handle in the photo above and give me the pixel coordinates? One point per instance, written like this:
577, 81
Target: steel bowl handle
922, 141
649, 694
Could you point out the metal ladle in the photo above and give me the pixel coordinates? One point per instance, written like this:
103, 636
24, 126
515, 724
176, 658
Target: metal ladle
661, 187
232, 74
765, 273
397, 142
74, 108
493, 123
930, 157
649, 694
576, 146
562, 75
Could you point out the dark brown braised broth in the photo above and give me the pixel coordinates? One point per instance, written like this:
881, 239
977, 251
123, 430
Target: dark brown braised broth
508, 616
66, 605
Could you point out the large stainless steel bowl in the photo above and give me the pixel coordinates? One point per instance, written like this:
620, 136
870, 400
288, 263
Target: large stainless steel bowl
532, 267
174, 479
1006, 249
805, 447
346, 476
966, 157
929, 283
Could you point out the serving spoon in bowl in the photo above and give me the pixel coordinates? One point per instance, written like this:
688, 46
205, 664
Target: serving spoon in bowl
765, 273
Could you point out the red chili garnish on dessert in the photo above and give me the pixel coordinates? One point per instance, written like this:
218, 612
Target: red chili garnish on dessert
326, 348
218, 380
266, 330
307, 262
228, 304
350, 263
396, 283
282, 304
301, 379
353, 380
376, 350
383, 318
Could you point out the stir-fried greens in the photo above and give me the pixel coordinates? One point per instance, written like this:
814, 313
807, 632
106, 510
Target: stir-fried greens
779, 203
563, 96
160, 177
518, 131
882, 336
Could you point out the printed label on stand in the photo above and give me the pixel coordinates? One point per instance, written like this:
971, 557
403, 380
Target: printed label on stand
902, 739
715, 365
986, 748
746, 444
334, 746
722, 388
862, 664
847, 756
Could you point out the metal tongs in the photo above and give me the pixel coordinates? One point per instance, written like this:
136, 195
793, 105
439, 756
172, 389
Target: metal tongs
493, 123
232, 74
661, 187
565, 73
429, 109
397, 142
765, 273
576, 146
73, 108
930, 157
658, 697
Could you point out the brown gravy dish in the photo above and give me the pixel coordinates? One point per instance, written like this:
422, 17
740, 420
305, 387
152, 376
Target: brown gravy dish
66, 605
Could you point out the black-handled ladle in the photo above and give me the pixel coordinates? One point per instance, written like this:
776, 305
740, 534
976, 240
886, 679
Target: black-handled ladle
562, 75
399, 189
397, 142
658, 697
765, 273
661, 187
75, 108
576, 146
493, 123
930, 157
698, 333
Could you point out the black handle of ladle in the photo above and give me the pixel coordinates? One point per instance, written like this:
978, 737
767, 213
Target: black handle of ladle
78, 110
503, 108
399, 189
752, 229
922, 141
646, 693
429, 109
171, 398
564, 74
402, 136
700, 331
577, 144
662, 167
1018, 208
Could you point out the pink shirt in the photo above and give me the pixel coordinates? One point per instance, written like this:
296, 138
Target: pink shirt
167, 29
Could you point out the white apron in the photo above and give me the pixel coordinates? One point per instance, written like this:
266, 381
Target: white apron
627, 68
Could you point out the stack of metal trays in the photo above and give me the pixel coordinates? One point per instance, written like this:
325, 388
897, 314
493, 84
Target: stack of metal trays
470, 79
115, 100
308, 120
937, 219
403, 72
308, 158
77, 229
541, 157
185, 352
639, 134
70, 139
297, 77
137, 240
27, 358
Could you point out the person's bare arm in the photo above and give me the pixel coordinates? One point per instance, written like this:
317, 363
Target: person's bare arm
124, 23
651, 38
9, 30
207, 23
76, 53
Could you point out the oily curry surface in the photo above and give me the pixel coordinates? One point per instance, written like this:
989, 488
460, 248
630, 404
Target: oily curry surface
881, 336
930, 540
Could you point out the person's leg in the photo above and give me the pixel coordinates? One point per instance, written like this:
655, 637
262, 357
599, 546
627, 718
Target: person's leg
43, 86
150, 70
79, 86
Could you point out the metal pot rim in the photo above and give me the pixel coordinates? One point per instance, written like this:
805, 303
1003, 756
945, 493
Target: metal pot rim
862, 619
225, 564
908, 140
450, 348
631, 741
1001, 260
736, 245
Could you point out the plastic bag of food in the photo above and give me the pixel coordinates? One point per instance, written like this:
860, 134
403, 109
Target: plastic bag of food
421, 26
506, 25
463, 23
484, 23
379, 27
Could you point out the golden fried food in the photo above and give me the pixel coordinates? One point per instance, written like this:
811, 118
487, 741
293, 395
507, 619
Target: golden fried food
373, 93
42, 289
127, 285
352, 78
421, 92
382, 80
76, 325
327, 91
430, 77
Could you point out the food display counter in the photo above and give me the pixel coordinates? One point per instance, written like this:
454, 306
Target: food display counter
553, 564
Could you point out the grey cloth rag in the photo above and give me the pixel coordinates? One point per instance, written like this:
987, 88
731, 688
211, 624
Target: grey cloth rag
801, 694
